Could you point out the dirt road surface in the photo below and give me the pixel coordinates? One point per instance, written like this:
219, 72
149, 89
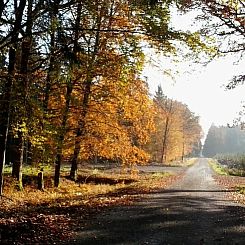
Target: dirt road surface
192, 211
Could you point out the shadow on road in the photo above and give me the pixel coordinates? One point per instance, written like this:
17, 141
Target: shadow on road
193, 211
208, 191
168, 218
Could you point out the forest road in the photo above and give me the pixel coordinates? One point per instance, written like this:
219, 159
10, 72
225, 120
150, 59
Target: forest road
192, 211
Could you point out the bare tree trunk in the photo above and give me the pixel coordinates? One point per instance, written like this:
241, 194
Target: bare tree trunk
23, 86
164, 141
166, 130
183, 152
5, 106
80, 131
58, 158
59, 155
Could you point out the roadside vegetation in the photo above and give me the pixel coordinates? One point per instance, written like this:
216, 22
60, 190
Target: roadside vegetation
187, 162
217, 167
230, 173
92, 181
52, 215
234, 163
241, 189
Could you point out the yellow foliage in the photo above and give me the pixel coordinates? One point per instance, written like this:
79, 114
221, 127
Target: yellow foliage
177, 131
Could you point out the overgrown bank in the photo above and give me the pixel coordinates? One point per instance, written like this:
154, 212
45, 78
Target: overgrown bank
230, 178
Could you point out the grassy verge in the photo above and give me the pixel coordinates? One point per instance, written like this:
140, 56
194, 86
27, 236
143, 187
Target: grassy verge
90, 185
241, 189
236, 172
190, 161
217, 167
235, 163
230, 181
186, 163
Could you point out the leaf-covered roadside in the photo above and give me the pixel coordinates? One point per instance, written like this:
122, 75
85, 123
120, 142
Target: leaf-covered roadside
234, 184
47, 218
235, 187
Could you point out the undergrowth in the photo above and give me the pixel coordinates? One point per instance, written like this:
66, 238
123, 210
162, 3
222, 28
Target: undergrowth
218, 168
241, 189
90, 184
234, 163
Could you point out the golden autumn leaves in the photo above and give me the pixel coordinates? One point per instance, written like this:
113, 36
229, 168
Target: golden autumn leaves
78, 83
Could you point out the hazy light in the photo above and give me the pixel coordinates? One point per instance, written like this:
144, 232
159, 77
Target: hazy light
201, 88
204, 90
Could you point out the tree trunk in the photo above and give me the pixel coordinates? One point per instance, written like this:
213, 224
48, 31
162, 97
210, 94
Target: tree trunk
40, 183
6, 104
73, 172
17, 165
164, 141
2, 6
4, 127
80, 131
22, 87
84, 107
58, 158
165, 135
183, 152
53, 70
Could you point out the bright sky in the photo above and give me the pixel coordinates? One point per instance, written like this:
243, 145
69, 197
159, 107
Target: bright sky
201, 88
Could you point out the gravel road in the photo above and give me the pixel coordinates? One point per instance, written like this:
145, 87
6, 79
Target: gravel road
192, 211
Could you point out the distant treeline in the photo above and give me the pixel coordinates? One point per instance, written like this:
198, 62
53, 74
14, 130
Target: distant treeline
224, 140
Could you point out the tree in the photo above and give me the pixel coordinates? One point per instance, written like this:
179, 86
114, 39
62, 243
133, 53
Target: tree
225, 22
8, 85
56, 56
223, 139
177, 129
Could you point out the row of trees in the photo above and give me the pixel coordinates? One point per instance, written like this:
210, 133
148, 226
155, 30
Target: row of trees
70, 86
177, 130
224, 140
225, 20
70, 79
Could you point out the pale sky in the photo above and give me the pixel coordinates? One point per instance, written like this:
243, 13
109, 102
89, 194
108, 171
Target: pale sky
201, 88
203, 91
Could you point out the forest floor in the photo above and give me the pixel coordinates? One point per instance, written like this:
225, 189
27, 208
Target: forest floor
160, 205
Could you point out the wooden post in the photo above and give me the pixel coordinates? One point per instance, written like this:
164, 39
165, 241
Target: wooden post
40, 184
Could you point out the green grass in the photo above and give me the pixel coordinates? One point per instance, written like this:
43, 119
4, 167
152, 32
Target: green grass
29, 170
7, 170
186, 163
241, 189
159, 175
236, 172
217, 168
235, 163
190, 161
